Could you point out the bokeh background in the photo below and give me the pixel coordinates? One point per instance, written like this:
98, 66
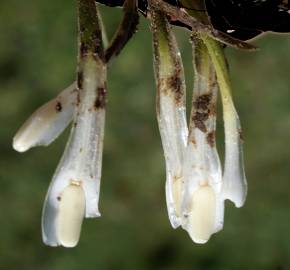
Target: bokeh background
38, 58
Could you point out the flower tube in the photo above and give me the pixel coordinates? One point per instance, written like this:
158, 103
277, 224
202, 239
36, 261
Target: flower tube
74, 190
171, 111
202, 205
234, 179
47, 122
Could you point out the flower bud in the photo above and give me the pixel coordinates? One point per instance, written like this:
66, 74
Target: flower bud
47, 122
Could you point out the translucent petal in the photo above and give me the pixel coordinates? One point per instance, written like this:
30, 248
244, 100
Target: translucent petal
67, 213
202, 166
47, 122
234, 179
171, 112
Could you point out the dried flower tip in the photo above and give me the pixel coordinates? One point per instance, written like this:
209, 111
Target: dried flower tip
171, 114
47, 122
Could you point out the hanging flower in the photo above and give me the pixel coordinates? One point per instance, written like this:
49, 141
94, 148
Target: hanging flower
203, 204
171, 113
196, 187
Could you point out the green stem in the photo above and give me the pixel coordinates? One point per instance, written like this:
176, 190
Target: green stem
219, 61
90, 32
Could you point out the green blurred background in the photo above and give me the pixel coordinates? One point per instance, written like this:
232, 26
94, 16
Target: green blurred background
38, 59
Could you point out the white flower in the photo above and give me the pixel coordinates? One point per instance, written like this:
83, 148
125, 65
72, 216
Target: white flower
171, 111
79, 171
202, 206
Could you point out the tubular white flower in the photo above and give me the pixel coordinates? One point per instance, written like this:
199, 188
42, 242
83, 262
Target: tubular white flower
171, 112
82, 159
47, 122
234, 179
75, 187
202, 205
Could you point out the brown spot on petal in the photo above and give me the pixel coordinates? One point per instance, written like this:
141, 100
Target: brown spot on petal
210, 138
80, 80
199, 120
101, 99
203, 109
58, 106
83, 49
202, 102
241, 135
193, 141
174, 84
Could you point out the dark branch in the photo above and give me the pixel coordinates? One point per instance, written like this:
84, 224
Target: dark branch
196, 26
125, 31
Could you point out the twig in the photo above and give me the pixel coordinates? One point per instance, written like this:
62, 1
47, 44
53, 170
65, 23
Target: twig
125, 31
197, 26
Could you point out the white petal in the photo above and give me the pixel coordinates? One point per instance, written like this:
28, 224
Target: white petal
202, 166
172, 126
64, 212
47, 122
234, 179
